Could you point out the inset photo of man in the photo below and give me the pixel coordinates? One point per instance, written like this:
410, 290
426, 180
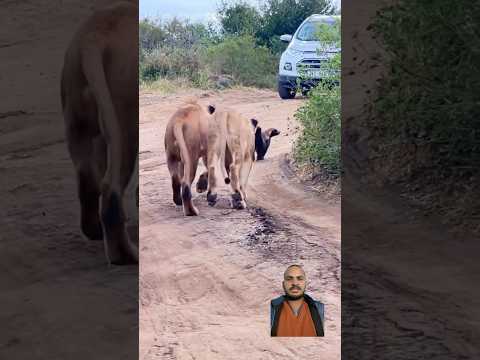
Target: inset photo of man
296, 313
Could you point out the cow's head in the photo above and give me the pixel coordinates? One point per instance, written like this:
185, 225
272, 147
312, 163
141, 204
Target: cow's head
262, 139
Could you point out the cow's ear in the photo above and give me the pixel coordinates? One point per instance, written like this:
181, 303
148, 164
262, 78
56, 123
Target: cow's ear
272, 132
254, 122
211, 109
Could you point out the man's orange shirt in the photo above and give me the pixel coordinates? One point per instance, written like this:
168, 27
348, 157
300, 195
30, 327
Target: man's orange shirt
291, 325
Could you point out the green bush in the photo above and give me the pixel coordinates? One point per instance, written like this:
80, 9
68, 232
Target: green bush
150, 35
284, 16
248, 64
319, 143
238, 18
320, 140
170, 50
431, 94
169, 63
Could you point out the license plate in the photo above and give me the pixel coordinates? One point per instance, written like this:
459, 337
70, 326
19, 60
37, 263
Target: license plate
314, 74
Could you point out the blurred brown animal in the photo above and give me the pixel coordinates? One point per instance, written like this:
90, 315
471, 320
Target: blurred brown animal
185, 143
99, 92
231, 140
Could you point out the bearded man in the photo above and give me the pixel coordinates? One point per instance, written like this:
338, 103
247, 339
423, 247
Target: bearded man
296, 313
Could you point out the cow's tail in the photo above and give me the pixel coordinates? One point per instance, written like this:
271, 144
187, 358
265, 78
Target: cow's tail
184, 155
223, 146
109, 125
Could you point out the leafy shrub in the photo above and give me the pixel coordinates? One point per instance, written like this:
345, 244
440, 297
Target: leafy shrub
238, 18
170, 50
320, 140
430, 96
248, 64
284, 16
169, 63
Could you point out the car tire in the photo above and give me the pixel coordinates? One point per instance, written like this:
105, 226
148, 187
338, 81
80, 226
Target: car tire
286, 93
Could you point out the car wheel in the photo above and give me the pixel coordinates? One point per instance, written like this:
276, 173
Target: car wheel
286, 93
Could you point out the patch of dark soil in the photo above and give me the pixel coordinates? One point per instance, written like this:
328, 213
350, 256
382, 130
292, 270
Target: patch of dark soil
281, 238
264, 229
271, 238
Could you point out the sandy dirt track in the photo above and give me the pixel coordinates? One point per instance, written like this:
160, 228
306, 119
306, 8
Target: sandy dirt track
206, 282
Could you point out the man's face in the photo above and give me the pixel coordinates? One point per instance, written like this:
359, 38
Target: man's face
294, 283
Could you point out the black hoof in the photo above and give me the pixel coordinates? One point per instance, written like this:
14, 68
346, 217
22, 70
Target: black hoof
212, 199
237, 201
93, 231
177, 200
202, 184
124, 260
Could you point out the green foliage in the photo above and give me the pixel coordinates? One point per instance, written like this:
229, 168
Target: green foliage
239, 57
284, 16
151, 35
247, 48
195, 52
431, 94
238, 18
169, 63
171, 50
320, 140
329, 34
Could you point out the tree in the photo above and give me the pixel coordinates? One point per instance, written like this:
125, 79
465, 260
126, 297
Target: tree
238, 18
284, 16
151, 35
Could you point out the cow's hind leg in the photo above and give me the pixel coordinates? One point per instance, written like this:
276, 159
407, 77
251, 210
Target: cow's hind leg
81, 145
186, 188
120, 166
202, 183
228, 160
89, 195
212, 195
238, 201
244, 175
175, 173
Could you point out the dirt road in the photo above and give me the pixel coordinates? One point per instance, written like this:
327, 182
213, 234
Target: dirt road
206, 282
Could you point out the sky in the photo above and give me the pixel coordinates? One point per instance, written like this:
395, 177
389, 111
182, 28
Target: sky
195, 10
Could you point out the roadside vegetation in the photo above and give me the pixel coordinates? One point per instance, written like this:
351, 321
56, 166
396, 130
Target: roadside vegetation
426, 118
243, 50
319, 144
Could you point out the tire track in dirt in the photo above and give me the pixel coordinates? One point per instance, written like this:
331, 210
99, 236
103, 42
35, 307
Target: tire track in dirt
206, 282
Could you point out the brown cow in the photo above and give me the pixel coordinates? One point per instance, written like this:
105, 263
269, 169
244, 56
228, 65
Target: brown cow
232, 142
99, 91
185, 143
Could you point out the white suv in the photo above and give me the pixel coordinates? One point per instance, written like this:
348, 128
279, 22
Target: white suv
304, 56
